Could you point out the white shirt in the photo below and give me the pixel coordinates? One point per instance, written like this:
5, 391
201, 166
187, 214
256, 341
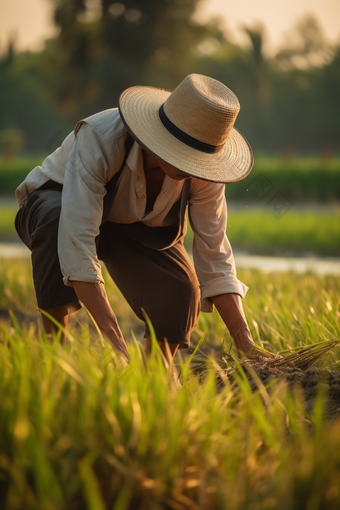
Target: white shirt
87, 159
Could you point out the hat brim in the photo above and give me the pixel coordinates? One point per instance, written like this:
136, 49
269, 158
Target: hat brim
139, 107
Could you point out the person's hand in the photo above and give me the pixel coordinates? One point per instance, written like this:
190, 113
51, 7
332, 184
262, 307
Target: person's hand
93, 297
230, 309
244, 341
118, 343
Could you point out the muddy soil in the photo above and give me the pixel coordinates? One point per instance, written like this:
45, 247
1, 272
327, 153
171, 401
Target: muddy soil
311, 381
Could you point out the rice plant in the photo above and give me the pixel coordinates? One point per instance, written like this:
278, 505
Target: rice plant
80, 431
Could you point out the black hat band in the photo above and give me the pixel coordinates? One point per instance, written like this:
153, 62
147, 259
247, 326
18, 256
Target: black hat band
184, 137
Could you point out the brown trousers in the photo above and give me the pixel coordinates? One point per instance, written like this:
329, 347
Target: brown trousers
162, 282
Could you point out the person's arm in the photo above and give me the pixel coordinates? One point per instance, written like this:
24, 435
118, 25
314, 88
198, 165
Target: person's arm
212, 253
229, 306
94, 298
214, 261
90, 165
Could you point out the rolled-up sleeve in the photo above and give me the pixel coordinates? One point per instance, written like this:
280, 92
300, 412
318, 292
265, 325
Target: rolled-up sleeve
212, 253
82, 207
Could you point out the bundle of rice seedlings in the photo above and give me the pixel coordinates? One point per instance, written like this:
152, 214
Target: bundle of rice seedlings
299, 357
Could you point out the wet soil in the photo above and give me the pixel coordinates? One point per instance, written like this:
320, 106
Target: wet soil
311, 381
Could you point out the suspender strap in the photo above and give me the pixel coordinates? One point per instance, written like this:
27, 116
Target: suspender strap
158, 238
162, 238
111, 186
184, 201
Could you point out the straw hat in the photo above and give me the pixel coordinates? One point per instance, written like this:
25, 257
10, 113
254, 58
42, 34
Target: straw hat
191, 128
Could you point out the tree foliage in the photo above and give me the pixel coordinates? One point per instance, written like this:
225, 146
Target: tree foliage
289, 102
105, 47
25, 104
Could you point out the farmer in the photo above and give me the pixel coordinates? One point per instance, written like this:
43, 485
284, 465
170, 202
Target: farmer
117, 190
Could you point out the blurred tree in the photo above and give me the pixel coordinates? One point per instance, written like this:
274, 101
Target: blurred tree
249, 74
306, 46
289, 103
305, 81
106, 46
11, 142
24, 104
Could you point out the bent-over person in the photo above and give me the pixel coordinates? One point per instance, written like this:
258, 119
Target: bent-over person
117, 190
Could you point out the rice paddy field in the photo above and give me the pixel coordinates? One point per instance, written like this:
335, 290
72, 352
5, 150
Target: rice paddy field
80, 431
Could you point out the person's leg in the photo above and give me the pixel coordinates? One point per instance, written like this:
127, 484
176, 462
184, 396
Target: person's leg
60, 314
37, 226
163, 347
168, 352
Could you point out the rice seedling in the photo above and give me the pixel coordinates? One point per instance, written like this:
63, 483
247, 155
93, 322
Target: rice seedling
80, 431
284, 310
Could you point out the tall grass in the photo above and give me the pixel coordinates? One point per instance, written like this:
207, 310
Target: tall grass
283, 309
78, 431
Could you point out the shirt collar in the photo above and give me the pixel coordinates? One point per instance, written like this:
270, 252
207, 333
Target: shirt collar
135, 163
135, 160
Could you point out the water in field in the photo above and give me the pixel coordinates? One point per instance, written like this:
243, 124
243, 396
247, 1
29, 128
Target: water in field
13, 251
320, 266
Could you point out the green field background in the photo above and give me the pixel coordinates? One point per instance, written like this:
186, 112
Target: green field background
308, 223
300, 180
297, 232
